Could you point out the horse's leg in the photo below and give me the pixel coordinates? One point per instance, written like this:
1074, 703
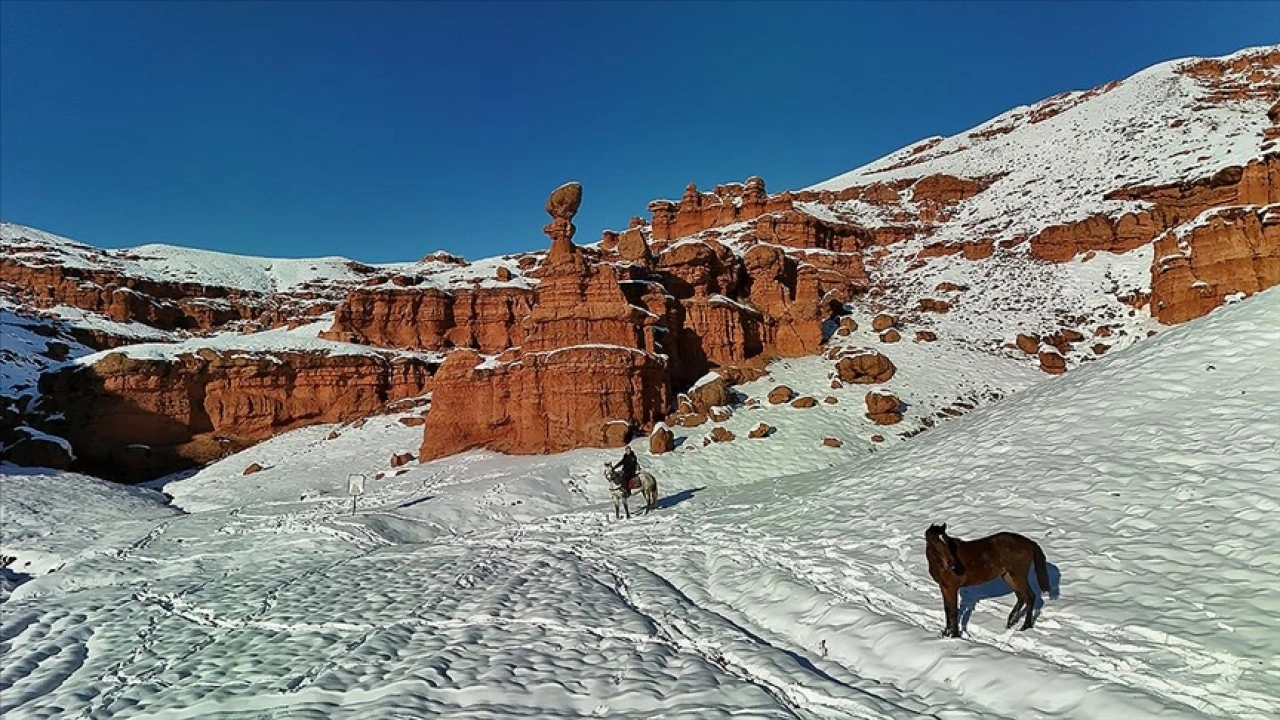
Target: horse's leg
950, 606
1026, 598
1017, 607
626, 506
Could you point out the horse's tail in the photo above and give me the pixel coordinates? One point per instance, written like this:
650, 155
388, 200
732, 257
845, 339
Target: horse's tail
1042, 569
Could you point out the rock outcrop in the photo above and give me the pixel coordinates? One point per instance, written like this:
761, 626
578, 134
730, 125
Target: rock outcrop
1224, 252
135, 419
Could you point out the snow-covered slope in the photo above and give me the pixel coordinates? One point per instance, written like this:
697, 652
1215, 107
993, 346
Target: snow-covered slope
1056, 160
481, 586
264, 275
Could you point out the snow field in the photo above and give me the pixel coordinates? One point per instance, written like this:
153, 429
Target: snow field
490, 586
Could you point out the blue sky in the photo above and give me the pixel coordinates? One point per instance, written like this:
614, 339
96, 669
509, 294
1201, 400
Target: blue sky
383, 131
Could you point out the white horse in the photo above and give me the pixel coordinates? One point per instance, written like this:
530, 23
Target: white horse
620, 492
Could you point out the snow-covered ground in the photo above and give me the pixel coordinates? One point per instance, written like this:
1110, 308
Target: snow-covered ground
483, 586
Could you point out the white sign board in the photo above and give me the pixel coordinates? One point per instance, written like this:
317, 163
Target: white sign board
355, 485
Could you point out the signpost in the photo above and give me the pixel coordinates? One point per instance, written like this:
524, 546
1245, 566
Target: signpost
355, 488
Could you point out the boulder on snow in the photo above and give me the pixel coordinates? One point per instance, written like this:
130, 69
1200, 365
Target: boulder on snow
1052, 362
780, 394
254, 468
36, 449
883, 408
832, 442
720, 434
804, 402
401, 459
883, 322
661, 440
760, 431
890, 336
926, 336
865, 368
1028, 344
720, 413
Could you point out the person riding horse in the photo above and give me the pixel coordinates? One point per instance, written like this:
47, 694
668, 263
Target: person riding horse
627, 468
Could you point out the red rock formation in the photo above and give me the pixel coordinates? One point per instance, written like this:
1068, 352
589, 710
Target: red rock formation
486, 319
134, 419
540, 403
1228, 251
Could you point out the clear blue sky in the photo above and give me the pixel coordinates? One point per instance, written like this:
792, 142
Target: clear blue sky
383, 131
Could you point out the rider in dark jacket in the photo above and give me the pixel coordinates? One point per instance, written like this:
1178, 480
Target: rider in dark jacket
627, 467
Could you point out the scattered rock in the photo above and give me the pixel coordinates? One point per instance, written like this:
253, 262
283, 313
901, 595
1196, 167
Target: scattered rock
1052, 362
836, 384
719, 434
1102, 331
780, 394
883, 322
720, 413
254, 468
692, 420
883, 408
926, 336
661, 440
843, 332
877, 438
56, 350
333, 435
890, 336
401, 459
848, 323
358, 424
1071, 336
39, 451
804, 402
1028, 344
934, 306
710, 393
830, 400
832, 442
1100, 349
413, 421
865, 368
503, 274
760, 431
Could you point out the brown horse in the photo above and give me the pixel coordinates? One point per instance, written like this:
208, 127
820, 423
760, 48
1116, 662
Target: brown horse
956, 563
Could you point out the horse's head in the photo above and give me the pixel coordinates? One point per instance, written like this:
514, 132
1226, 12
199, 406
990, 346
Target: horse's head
609, 473
936, 537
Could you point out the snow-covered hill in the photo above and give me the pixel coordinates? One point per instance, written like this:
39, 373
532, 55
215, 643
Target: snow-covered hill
484, 586
1056, 162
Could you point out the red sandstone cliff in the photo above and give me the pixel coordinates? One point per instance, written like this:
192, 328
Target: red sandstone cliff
135, 419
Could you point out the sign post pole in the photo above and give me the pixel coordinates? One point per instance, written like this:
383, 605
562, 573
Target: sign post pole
355, 488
